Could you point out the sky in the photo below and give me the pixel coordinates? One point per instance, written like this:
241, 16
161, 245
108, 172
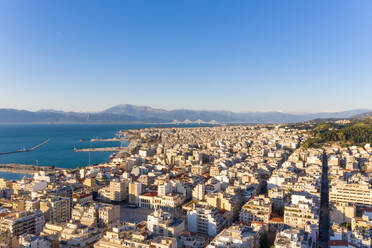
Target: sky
86, 55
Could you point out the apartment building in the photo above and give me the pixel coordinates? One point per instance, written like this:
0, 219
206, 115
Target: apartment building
33, 241
205, 220
300, 211
18, 223
134, 190
198, 192
170, 202
108, 214
118, 190
237, 236
358, 193
225, 201
56, 209
256, 209
163, 224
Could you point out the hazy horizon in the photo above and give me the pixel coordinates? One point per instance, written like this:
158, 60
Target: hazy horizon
241, 56
170, 109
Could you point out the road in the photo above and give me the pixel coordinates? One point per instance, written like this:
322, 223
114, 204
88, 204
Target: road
24, 169
324, 207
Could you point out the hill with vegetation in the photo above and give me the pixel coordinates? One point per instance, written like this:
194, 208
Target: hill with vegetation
357, 132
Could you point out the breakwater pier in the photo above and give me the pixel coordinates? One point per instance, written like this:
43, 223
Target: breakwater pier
101, 149
26, 149
25, 169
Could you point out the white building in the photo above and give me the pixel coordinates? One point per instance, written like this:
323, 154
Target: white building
198, 192
237, 236
163, 224
205, 220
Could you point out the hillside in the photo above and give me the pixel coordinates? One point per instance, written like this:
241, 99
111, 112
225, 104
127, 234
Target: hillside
127, 113
357, 132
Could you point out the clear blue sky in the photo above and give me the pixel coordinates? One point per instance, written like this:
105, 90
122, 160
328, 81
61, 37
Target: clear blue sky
226, 55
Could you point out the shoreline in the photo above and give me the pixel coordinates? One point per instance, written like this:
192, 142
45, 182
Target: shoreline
24, 168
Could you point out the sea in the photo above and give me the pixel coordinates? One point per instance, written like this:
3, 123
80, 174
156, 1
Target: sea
63, 138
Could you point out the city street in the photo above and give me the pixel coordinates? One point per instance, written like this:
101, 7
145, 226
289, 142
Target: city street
324, 207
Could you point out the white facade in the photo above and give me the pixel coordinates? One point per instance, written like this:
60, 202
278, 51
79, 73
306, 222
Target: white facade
205, 220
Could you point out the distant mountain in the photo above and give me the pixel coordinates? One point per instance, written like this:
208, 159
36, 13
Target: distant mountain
362, 115
127, 113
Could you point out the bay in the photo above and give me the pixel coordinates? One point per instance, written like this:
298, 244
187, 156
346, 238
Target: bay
13, 176
59, 151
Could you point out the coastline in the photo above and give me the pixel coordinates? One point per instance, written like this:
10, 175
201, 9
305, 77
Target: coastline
24, 168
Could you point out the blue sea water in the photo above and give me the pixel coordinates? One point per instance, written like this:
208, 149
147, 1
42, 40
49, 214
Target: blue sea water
13, 176
59, 151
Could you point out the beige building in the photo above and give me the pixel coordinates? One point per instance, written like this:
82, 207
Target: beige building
358, 193
170, 203
198, 192
228, 202
19, 204
118, 190
237, 236
205, 220
86, 215
108, 214
130, 235
163, 224
214, 171
72, 234
90, 182
56, 209
5, 184
256, 209
134, 190
298, 217
18, 223
199, 169
32, 204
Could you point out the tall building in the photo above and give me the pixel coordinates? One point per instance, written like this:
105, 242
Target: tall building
90, 182
205, 220
164, 189
19, 223
5, 184
256, 209
237, 236
135, 189
108, 214
32, 241
170, 203
198, 192
358, 193
32, 204
56, 209
163, 224
118, 190
300, 211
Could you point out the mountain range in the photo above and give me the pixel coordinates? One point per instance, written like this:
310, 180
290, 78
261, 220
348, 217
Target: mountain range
127, 113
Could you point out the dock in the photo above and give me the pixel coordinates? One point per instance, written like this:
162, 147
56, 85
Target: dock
108, 140
26, 149
101, 149
25, 169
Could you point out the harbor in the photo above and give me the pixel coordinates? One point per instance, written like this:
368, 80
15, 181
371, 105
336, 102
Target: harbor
24, 169
26, 149
108, 140
101, 149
